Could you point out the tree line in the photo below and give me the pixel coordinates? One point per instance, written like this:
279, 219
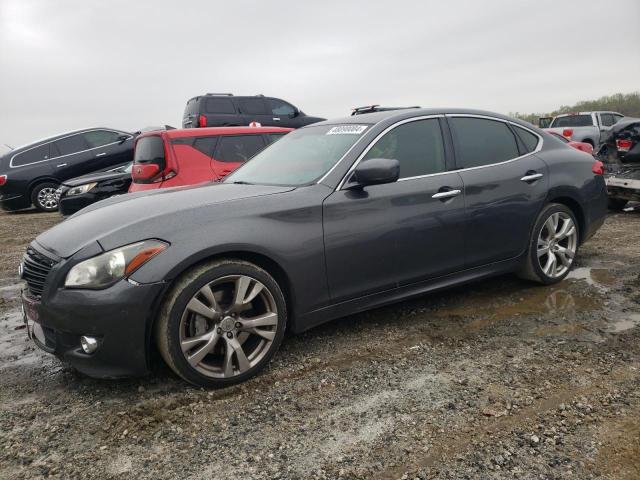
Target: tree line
626, 103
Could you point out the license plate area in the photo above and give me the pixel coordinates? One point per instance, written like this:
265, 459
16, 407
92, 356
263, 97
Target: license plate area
31, 319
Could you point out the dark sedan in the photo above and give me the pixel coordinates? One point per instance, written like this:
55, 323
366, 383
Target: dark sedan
77, 193
334, 218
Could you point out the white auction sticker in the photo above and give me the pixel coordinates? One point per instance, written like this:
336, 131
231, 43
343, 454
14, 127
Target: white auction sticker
347, 130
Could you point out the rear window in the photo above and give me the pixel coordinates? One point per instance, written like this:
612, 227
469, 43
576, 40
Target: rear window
150, 150
573, 121
219, 105
192, 107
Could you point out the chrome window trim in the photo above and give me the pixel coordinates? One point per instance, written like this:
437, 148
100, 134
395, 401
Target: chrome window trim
380, 135
11, 165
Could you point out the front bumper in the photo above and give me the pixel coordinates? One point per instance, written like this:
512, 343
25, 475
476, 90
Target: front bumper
71, 205
120, 317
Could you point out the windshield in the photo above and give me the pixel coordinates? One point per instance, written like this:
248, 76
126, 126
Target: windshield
573, 121
300, 157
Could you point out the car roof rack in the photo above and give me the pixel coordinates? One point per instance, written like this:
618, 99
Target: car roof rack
376, 108
220, 94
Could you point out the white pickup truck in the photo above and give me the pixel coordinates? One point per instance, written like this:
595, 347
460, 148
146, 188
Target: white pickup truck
587, 127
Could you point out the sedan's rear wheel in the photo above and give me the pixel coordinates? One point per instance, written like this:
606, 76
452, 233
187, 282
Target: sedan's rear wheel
553, 245
222, 323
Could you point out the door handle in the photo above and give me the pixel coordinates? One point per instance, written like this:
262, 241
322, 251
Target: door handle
61, 165
277, 119
101, 154
531, 177
446, 194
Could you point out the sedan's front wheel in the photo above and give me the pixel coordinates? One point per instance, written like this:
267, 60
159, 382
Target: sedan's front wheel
553, 245
221, 323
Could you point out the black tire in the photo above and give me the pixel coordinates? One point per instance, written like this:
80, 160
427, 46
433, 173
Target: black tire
169, 325
41, 197
531, 269
616, 203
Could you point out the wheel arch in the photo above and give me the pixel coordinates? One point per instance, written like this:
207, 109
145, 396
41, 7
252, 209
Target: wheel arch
37, 181
574, 205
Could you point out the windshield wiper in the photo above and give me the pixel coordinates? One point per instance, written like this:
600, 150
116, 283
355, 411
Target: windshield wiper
242, 182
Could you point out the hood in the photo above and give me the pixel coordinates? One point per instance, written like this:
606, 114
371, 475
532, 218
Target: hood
151, 213
94, 177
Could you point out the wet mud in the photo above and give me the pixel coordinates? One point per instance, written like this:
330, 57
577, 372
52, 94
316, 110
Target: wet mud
497, 379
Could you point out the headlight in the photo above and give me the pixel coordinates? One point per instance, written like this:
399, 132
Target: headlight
80, 189
109, 267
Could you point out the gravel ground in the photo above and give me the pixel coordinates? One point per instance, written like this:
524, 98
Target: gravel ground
500, 379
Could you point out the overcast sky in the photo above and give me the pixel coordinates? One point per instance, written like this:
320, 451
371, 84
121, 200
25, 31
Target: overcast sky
68, 64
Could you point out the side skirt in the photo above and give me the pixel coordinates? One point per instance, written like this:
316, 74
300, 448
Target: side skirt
361, 304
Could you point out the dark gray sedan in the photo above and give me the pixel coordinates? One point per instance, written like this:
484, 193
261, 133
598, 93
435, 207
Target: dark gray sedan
335, 218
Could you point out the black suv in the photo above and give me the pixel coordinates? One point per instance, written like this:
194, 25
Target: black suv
30, 175
227, 110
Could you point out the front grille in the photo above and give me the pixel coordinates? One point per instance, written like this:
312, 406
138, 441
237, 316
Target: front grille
35, 268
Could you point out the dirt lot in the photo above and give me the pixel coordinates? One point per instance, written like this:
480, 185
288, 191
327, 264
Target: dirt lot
501, 379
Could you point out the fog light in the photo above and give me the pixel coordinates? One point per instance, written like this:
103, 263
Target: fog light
89, 344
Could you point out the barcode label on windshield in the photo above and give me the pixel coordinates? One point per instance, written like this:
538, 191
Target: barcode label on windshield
347, 130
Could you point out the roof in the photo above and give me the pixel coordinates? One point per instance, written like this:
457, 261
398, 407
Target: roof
394, 115
64, 134
570, 114
201, 132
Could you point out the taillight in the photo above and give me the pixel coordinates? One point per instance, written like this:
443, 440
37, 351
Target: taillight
622, 145
598, 167
143, 173
567, 133
3, 180
202, 121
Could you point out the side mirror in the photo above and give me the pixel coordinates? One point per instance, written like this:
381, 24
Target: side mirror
123, 138
295, 112
375, 171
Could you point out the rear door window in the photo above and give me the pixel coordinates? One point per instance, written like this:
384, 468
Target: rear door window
150, 150
280, 107
33, 155
418, 146
607, 119
72, 144
238, 148
253, 106
99, 138
480, 141
219, 105
206, 145
529, 139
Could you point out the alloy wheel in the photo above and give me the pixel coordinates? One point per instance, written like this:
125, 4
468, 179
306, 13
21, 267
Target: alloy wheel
48, 198
228, 326
557, 244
